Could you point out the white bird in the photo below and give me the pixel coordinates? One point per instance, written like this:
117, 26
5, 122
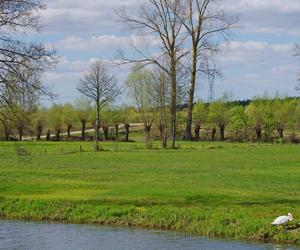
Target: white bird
282, 220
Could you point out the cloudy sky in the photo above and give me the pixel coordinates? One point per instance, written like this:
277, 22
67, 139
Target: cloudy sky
258, 58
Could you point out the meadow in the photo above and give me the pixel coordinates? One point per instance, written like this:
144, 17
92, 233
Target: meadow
228, 190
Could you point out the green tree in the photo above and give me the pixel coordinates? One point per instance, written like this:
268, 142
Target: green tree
200, 114
238, 122
219, 115
83, 112
282, 110
256, 116
39, 122
68, 117
294, 118
128, 116
139, 86
56, 120
116, 119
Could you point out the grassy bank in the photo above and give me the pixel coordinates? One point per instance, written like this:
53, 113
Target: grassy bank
211, 189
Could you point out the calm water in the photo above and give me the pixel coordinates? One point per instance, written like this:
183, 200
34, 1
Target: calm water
36, 236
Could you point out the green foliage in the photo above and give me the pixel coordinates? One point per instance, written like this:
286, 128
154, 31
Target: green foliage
56, 117
238, 122
255, 114
263, 119
200, 113
139, 87
84, 110
219, 113
68, 114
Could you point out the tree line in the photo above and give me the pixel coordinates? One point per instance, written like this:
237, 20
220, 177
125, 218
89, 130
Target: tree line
263, 120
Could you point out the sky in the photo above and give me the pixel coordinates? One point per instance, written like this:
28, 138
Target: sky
258, 57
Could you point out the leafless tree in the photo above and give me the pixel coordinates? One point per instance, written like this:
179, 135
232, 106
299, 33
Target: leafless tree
157, 18
21, 100
101, 87
20, 16
207, 26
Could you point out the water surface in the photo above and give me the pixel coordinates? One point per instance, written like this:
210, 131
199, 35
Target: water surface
40, 236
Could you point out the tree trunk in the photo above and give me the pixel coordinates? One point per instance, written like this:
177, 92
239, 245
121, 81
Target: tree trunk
6, 134
127, 126
97, 139
188, 131
197, 132
258, 134
147, 135
222, 132
48, 136
57, 135
163, 136
280, 132
173, 100
20, 130
38, 133
83, 122
69, 131
213, 134
105, 130
161, 131
117, 132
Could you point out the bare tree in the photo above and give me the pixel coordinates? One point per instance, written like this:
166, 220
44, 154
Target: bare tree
205, 23
22, 100
157, 17
20, 16
101, 87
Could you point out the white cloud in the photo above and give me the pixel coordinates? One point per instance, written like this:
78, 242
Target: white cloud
286, 6
104, 42
255, 46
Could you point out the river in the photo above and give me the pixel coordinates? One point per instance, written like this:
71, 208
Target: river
15, 235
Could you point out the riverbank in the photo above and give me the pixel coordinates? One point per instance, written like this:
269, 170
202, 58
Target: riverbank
211, 189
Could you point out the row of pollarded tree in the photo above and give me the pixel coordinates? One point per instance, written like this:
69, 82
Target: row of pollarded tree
262, 120
60, 120
262, 117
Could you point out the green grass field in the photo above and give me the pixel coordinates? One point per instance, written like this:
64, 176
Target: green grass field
210, 189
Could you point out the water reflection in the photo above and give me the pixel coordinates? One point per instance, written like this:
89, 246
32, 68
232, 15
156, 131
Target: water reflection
36, 236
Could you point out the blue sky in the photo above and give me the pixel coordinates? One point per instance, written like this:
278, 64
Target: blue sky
258, 58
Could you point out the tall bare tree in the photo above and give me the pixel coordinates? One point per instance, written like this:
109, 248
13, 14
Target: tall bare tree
23, 100
205, 23
207, 26
20, 16
101, 87
157, 17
